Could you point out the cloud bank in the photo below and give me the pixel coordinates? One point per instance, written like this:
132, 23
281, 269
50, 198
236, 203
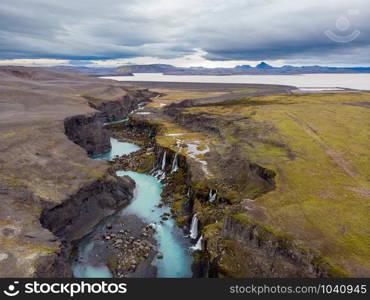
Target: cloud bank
178, 30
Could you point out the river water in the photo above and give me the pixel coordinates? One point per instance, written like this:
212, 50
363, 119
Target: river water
172, 243
118, 149
350, 81
177, 257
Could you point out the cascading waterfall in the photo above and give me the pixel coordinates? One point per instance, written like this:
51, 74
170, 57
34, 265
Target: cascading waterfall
164, 160
198, 245
189, 192
212, 196
175, 165
160, 173
194, 227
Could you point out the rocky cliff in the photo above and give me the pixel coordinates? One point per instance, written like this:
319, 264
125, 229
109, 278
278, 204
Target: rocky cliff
236, 241
75, 217
51, 192
267, 253
78, 215
87, 131
120, 108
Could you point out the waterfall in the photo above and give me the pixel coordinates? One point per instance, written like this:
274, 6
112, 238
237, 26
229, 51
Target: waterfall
164, 161
212, 196
189, 192
198, 245
175, 166
160, 174
194, 227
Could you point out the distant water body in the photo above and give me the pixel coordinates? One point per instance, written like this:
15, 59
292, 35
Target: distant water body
350, 81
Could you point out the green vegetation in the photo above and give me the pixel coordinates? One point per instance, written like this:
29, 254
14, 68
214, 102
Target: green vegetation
319, 146
212, 230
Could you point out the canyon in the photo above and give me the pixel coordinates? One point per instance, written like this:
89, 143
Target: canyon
238, 164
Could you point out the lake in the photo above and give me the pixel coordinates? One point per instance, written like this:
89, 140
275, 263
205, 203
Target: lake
350, 81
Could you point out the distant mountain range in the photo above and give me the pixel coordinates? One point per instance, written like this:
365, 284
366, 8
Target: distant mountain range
261, 69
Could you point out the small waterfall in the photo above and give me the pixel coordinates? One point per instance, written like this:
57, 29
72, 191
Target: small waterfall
198, 245
212, 196
194, 227
189, 192
175, 165
164, 160
159, 174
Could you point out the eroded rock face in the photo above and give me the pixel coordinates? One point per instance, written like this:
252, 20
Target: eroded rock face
88, 132
77, 215
268, 255
44, 174
120, 109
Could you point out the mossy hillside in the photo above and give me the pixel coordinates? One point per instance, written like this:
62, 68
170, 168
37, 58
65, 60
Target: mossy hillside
147, 164
227, 253
265, 233
212, 234
171, 135
175, 194
319, 147
286, 243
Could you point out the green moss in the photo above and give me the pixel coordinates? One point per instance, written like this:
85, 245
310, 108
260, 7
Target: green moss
286, 241
197, 257
112, 263
318, 146
27, 247
265, 232
232, 262
178, 205
183, 221
333, 270
232, 196
146, 163
243, 218
212, 230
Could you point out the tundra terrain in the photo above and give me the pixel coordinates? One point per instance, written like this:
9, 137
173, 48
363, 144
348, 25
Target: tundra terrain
291, 171
49, 187
278, 179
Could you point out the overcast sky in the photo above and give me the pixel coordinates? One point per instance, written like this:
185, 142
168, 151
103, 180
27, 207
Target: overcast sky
185, 32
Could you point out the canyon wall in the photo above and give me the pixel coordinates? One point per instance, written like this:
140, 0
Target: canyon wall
77, 215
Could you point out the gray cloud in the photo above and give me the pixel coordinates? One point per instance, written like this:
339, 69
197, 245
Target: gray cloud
292, 31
